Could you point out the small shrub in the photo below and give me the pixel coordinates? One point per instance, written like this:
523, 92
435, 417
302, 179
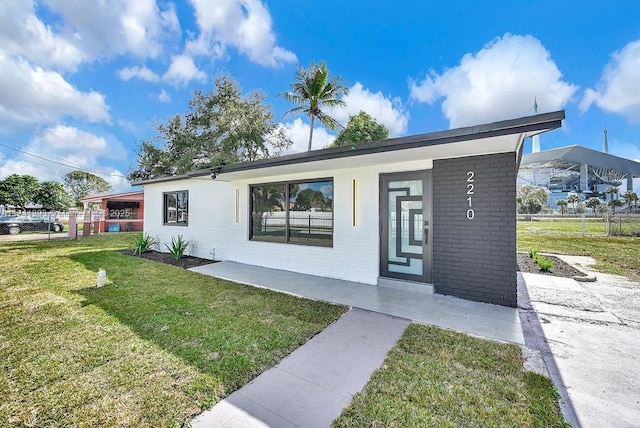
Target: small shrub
533, 253
178, 246
144, 243
544, 263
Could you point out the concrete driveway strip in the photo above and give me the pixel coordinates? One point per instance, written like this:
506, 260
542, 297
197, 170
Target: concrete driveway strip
592, 331
311, 386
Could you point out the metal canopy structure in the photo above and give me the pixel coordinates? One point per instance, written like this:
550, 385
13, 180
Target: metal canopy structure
576, 168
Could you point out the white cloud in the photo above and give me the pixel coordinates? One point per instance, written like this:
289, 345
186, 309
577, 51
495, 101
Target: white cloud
118, 26
142, 73
385, 110
23, 34
245, 25
298, 132
498, 82
619, 89
163, 96
183, 70
34, 95
63, 145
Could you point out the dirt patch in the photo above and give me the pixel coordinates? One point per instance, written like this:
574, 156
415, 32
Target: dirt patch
560, 268
184, 262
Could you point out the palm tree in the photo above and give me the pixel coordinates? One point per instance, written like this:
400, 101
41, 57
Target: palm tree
613, 203
313, 90
630, 197
593, 203
612, 190
562, 204
573, 199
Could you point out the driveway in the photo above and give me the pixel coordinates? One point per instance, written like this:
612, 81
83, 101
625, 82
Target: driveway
589, 336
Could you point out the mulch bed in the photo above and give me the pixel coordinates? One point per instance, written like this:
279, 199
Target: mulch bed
525, 263
560, 268
184, 262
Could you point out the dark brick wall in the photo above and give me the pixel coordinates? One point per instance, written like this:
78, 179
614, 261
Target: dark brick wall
475, 259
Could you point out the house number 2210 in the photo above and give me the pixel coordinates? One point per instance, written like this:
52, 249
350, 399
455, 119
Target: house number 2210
470, 192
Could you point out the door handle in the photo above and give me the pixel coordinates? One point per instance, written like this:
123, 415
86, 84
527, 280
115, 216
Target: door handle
426, 236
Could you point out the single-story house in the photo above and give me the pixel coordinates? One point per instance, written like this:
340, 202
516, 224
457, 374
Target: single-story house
434, 211
123, 211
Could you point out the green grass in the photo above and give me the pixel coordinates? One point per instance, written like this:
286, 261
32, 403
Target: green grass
618, 255
154, 347
439, 378
575, 226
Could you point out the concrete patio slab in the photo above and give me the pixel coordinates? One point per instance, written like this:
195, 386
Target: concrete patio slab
478, 319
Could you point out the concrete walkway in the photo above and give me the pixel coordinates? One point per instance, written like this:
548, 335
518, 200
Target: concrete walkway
588, 334
311, 386
478, 319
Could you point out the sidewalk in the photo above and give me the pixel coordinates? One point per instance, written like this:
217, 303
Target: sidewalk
311, 386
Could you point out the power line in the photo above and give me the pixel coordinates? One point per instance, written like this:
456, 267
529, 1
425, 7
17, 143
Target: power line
68, 165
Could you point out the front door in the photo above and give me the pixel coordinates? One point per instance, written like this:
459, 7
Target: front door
405, 226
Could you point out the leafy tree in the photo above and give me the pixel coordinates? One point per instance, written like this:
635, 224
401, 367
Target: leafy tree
361, 128
593, 203
630, 197
531, 199
562, 204
314, 90
53, 196
222, 127
18, 190
81, 183
573, 199
307, 198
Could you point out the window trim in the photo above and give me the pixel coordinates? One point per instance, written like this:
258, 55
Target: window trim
286, 184
164, 208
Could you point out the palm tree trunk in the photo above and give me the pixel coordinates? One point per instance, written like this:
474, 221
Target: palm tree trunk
311, 132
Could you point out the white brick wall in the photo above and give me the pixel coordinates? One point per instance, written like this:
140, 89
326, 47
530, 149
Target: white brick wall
355, 252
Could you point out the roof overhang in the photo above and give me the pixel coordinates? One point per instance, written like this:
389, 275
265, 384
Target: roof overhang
497, 137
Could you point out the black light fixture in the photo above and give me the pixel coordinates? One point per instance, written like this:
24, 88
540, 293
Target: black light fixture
214, 173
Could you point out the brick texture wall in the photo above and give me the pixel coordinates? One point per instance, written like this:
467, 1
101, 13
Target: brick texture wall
475, 258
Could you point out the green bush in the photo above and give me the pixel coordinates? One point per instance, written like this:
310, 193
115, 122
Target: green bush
178, 246
533, 253
544, 263
144, 243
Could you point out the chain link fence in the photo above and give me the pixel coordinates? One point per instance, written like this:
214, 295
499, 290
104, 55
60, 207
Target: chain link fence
31, 225
580, 225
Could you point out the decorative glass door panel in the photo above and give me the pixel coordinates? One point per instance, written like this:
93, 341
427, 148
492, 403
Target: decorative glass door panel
404, 242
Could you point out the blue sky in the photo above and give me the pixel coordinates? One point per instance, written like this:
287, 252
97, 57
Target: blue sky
84, 83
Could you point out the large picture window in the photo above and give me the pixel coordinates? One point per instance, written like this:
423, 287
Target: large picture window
298, 212
176, 208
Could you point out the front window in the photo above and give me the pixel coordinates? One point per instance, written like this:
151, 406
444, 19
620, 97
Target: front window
294, 212
176, 208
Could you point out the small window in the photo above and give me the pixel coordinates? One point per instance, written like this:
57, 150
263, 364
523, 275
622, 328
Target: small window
294, 212
176, 208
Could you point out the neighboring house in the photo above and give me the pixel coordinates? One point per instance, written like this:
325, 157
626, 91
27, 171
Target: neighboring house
122, 211
432, 211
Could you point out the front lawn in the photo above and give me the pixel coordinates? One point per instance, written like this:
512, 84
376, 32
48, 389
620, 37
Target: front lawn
440, 378
155, 347
614, 254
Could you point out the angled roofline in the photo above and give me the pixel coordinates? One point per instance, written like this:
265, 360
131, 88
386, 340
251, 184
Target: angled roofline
110, 194
528, 124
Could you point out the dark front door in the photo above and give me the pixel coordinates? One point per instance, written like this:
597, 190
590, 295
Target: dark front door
405, 226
